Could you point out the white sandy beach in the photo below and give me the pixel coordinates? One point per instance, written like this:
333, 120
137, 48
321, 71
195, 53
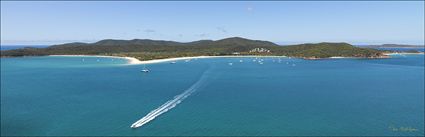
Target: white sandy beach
130, 59
338, 57
134, 61
402, 53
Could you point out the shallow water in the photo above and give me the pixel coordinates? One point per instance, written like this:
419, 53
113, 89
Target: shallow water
103, 96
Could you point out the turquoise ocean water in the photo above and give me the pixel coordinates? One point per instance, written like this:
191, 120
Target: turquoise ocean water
103, 96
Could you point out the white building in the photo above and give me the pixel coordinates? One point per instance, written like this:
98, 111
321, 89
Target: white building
259, 50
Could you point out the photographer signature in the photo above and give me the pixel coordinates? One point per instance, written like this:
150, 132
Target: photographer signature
402, 129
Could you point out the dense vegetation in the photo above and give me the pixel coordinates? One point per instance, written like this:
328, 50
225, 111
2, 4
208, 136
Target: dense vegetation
144, 49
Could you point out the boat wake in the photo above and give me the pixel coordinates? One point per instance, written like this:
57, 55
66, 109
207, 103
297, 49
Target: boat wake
169, 104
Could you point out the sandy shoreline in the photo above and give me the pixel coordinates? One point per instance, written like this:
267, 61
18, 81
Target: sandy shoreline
402, 53
134, 61
129, 59
338, 57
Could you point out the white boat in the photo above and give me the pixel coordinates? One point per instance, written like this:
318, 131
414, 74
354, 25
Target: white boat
230, 64
173, 62
144, 69
240, 60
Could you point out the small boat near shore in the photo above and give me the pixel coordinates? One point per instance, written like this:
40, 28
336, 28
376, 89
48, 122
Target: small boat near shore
145, 70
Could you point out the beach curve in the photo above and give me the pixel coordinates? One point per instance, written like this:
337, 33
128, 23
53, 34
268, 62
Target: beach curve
135, 61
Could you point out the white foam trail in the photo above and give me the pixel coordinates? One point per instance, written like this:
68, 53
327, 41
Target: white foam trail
169, 104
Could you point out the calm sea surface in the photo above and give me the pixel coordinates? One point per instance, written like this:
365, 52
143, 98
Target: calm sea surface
10, 47
103, 96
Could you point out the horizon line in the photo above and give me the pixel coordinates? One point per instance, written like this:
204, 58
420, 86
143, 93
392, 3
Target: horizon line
59, 42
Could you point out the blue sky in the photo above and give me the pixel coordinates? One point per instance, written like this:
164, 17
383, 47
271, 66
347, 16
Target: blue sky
25, 23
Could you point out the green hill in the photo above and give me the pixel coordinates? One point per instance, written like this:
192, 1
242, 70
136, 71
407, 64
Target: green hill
325, 50
145, 49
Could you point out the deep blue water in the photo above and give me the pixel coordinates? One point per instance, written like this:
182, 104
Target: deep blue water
10, 47
103, 96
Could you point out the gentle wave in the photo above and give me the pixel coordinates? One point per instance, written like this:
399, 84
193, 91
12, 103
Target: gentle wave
170, 104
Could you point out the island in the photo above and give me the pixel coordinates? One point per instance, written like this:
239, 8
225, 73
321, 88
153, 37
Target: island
146, 49
393, 46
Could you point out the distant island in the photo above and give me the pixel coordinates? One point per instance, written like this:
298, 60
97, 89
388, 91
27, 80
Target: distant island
393, 46
146, 49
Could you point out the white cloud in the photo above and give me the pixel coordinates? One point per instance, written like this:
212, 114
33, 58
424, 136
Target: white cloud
249, 9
